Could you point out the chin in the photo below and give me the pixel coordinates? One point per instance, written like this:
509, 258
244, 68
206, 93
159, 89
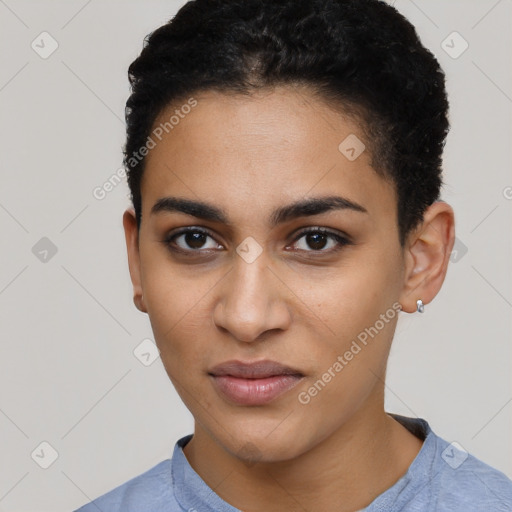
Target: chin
259, 443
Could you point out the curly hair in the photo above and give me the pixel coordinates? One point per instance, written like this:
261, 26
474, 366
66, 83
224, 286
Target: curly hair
361, 57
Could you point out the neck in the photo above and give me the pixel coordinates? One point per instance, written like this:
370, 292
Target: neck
344, 472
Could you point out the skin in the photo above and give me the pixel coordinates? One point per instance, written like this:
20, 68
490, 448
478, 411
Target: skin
296, 305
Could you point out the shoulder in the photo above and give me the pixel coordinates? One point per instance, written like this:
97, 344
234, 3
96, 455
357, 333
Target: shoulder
444, 477
144, 492
459, 478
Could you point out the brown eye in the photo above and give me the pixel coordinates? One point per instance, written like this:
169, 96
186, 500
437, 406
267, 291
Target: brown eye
320, 240
191, 240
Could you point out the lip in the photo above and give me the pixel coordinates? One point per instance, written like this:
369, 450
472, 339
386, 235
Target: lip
255, 383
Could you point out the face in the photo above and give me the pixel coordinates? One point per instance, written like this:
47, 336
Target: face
244, 277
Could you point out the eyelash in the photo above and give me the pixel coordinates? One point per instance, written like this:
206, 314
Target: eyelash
340, 239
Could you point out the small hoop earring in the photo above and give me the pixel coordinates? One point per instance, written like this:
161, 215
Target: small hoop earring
420, 307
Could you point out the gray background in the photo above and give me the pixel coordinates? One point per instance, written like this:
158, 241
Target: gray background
68, 374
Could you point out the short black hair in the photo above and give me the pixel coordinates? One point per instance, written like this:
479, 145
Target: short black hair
360, 56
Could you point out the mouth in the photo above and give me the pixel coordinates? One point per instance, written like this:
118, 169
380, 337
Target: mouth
255, 383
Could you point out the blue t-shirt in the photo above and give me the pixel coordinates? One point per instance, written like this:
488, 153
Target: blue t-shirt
441, 478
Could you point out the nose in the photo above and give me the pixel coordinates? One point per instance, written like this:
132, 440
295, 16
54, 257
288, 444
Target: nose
252, 300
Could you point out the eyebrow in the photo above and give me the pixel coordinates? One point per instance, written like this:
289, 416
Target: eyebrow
302, 208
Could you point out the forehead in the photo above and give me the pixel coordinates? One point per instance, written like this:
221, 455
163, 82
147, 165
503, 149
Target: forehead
270, 147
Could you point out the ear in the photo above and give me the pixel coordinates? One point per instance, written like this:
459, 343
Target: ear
131, 234
427, 253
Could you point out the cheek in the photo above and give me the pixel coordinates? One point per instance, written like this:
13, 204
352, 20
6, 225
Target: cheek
358, 304
176, 305
352, 298
349, 362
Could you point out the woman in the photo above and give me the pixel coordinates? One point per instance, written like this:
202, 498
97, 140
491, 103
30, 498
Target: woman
284, 161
